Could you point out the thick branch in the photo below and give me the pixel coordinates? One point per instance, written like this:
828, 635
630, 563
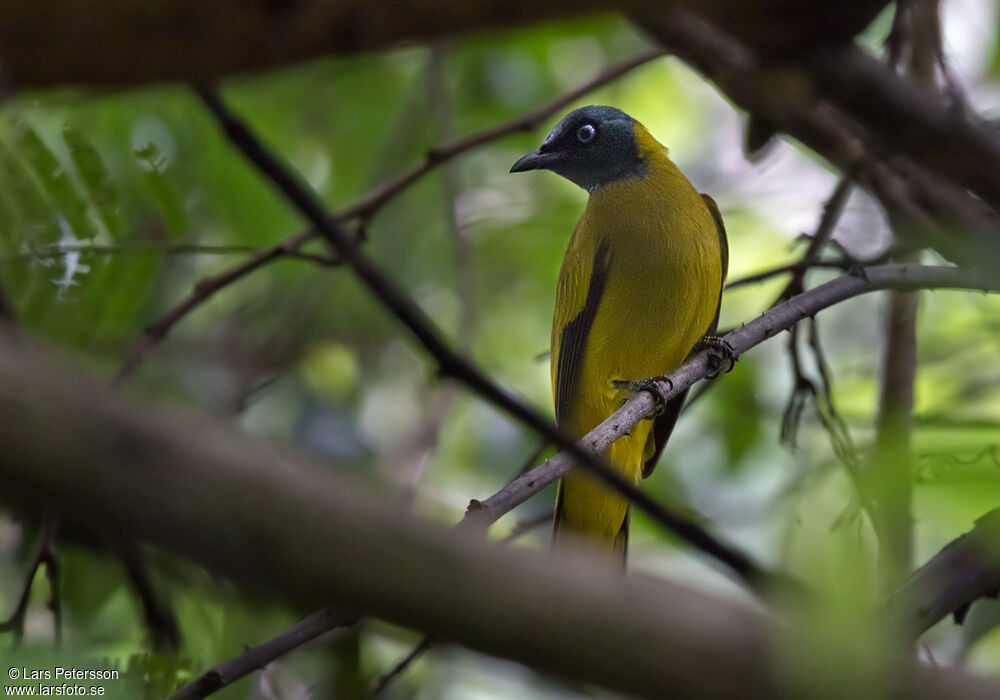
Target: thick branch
911, 120
76, 446
158, 40
784, 96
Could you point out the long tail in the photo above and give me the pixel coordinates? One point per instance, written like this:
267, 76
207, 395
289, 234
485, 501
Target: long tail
607, 537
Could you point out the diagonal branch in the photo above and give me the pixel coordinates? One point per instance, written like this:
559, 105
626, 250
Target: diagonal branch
366, 207
966, 569
832, 210
767, 325
44, 554
455, 366
254, 659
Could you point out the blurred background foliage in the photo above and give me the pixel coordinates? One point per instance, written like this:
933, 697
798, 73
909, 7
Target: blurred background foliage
300, 353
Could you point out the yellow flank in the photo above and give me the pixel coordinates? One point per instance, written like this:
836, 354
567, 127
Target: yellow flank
663, 279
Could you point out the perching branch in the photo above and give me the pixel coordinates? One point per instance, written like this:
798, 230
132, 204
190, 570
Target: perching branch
702, 365
92, 456
365, 208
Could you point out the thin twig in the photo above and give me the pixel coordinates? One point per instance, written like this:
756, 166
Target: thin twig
254, 659
366, 207
803, 388
403, 664
844, 264
832, 211
44, 554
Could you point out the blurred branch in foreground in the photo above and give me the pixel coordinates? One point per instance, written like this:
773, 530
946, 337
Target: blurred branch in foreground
94, 457
163, 40
365, 208
481, 514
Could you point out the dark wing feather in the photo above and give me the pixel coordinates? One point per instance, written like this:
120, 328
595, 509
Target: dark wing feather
573, 339
665, 422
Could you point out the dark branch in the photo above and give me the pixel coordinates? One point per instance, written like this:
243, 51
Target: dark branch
329, 536
403, 664
942, 212
254, 659
966, 569
44, 554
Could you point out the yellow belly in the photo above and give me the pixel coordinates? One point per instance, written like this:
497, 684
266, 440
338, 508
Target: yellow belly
662, 290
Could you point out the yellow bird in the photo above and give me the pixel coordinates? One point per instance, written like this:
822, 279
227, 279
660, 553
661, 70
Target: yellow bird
639, 289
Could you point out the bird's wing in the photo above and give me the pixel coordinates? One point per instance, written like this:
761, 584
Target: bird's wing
571, 342
664, 424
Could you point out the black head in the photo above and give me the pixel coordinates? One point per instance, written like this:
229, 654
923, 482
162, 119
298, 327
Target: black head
591, 146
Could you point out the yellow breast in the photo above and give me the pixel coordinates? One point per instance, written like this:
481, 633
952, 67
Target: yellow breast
662, 286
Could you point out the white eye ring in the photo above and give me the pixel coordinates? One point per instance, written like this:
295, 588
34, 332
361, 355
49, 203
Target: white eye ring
585, 133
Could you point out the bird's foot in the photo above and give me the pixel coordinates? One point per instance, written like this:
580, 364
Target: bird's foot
651, 385
719, 351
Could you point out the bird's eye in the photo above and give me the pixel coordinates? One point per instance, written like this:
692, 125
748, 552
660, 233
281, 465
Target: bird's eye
585, 133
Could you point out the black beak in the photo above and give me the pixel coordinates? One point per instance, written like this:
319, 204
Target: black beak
536, 160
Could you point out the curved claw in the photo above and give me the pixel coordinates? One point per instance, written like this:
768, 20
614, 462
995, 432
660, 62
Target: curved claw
719, 350
651, 385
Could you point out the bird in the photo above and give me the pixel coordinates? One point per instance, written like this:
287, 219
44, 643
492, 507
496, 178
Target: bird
639, 290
